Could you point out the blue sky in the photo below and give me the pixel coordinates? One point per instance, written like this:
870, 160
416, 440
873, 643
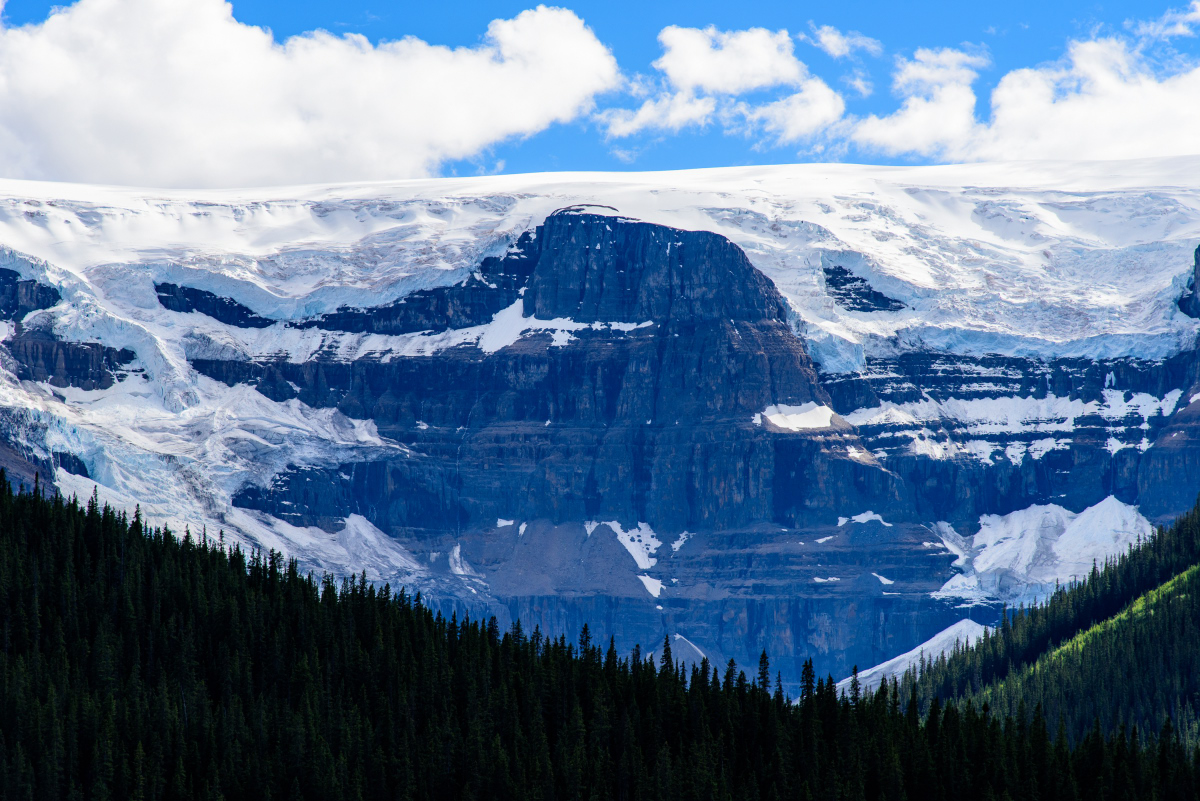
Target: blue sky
918, 88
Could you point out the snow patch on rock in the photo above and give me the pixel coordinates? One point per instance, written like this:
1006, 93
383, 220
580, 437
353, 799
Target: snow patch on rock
641, 542
979, 427
1022, 555
864, 517
684, 536
805, 417
962, 633
652, 585
687, 650
1017, 415
458, 565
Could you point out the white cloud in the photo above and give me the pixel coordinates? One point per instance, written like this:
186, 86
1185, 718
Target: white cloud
859, 82
798, 116
938, 112
670, 112
1104, 100
838, 44
727, 62
178, 92
1174, 22
931, 69
706, 69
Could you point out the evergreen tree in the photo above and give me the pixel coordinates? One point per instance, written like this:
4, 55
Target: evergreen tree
138, 665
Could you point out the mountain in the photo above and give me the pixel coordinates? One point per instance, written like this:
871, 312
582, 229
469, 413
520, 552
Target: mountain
813, 409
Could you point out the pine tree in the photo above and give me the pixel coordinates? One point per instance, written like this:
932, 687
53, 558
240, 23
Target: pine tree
138, 665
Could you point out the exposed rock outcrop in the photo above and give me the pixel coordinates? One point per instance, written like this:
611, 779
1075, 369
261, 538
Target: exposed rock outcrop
190, 299
856, 294
653, 415
18, 296
494, 286
39, 354
1189, 302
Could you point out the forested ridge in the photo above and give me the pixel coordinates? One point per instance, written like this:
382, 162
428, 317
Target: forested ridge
139, 665
1120, 648
1024, 634
1138, 669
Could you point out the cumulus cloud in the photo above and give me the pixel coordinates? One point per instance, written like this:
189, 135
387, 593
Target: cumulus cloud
727, 62
1103, 100
799, 116
180, 93
839, 45
669, 112
704, 70
938, 111
1109, 97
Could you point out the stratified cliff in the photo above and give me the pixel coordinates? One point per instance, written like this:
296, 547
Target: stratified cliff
827, 418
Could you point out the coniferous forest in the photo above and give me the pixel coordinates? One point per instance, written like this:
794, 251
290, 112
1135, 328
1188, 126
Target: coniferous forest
1120, 648
139, 665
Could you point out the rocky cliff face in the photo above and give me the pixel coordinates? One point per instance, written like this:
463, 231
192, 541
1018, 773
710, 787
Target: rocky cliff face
647, 407
672, 400
986, 435
1189, 302
191, 299
669, 429
764, 438
19, 297
39, 355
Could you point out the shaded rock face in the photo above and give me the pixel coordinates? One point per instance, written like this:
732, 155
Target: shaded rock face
855, 293
475, 301
494, 286
20, 470
733, 593
87, 365
1002, 433
1166, 478
1189, 302
186, 299
605, 269
653, 421
39, 354
19, 297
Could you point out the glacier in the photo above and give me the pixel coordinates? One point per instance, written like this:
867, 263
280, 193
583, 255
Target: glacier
1025, 555
1022, 261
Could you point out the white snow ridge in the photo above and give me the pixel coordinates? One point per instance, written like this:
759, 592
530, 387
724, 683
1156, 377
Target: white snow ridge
963, 633
1023, 555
